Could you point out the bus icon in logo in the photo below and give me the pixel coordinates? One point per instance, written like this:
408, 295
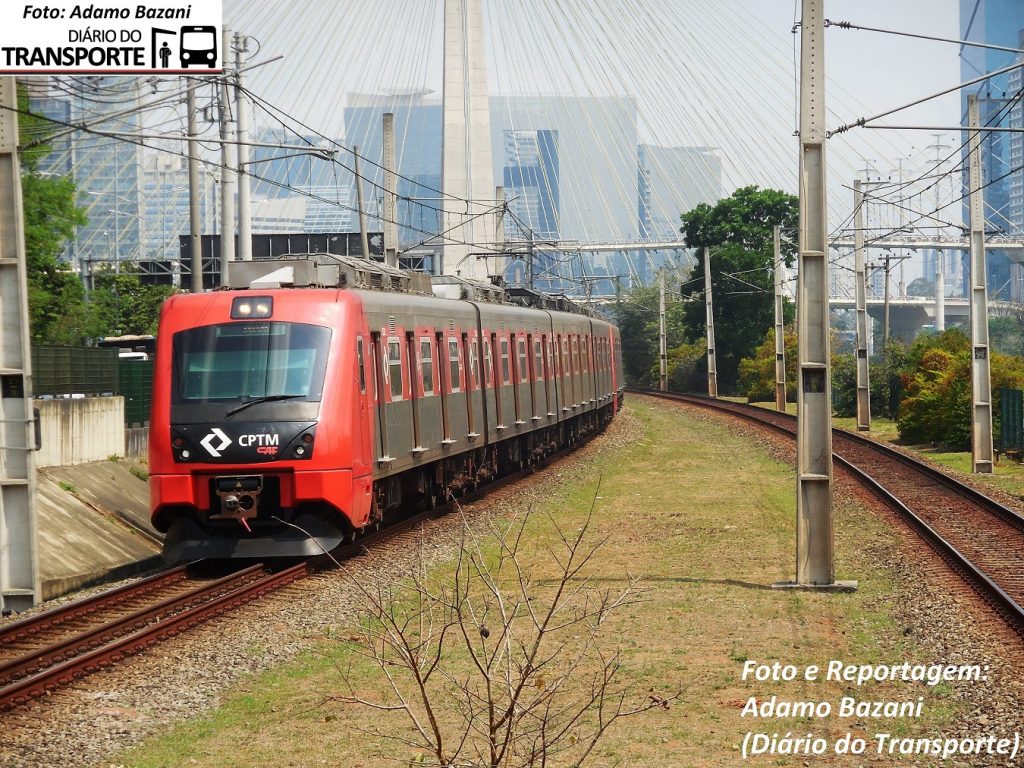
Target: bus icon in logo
198, 47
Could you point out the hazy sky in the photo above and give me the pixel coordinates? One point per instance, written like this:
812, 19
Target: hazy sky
703, 73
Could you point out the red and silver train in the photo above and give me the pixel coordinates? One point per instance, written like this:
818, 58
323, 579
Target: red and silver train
286, 419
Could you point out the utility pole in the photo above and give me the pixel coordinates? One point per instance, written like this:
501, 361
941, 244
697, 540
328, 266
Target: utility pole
861, 291
195, 225
712, 367
662, 336
814, 559
227, 175
887, 260
940, 256
364, 237
390, 193
244, 188
499, 230
19, 562
981, 382
780, 330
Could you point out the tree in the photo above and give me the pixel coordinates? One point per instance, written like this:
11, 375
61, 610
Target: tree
757, 373
739, 231
937, 383
492, 667
636, 315
57, 310
123, 305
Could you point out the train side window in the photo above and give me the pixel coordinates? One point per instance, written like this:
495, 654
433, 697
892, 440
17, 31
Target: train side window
427, 365
488, 366
538, 360
523, 373
362, 367
473, 362
504, 362
574, 358
395, 367
453, 364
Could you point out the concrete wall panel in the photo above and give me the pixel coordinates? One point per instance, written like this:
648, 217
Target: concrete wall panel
76, 431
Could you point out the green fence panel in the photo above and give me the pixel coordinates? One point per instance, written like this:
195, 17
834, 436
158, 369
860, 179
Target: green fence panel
137, 389
1011, 419
74, 370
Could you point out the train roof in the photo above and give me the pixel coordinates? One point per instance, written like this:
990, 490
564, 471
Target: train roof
325, 270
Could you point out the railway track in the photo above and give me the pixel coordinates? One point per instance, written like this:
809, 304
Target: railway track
53, 649
979, 538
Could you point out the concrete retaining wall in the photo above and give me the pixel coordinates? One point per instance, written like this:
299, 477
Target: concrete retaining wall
136, 443
76, 431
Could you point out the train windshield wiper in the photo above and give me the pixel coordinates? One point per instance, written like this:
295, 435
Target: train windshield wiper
266, 399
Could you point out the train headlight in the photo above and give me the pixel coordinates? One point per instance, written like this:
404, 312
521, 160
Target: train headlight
300, 451
185, 454
245, 307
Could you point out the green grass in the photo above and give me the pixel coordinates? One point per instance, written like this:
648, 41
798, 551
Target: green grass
708, 543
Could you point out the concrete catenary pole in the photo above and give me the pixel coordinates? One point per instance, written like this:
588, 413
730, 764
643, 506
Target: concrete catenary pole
662, 335
364, 235
780, 329
712, 367
19, 562
244, 188
227, 175
390, 193
940, 255
814, 563
195, 224
981, 382
861, 290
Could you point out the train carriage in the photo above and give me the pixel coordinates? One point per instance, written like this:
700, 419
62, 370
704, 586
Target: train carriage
299, 408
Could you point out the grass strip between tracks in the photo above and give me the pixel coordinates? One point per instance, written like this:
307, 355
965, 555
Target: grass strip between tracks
707, 517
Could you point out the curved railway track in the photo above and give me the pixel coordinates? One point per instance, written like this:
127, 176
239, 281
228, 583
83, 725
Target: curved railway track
979, 538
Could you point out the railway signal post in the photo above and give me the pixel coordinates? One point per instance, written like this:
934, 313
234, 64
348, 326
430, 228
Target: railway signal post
814, 560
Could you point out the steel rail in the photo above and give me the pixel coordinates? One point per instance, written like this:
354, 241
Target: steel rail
1004, 604
160, 629
24, 629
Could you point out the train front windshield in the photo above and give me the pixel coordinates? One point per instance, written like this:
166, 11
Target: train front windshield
236, 363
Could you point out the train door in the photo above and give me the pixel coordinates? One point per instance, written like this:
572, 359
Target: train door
377, 354
523, 369
533, 348
444, 385
360, 454
545, 372
470, 366
414, 399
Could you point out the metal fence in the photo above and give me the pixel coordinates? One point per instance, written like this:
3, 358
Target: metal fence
74, 371
137, 389
62, 371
